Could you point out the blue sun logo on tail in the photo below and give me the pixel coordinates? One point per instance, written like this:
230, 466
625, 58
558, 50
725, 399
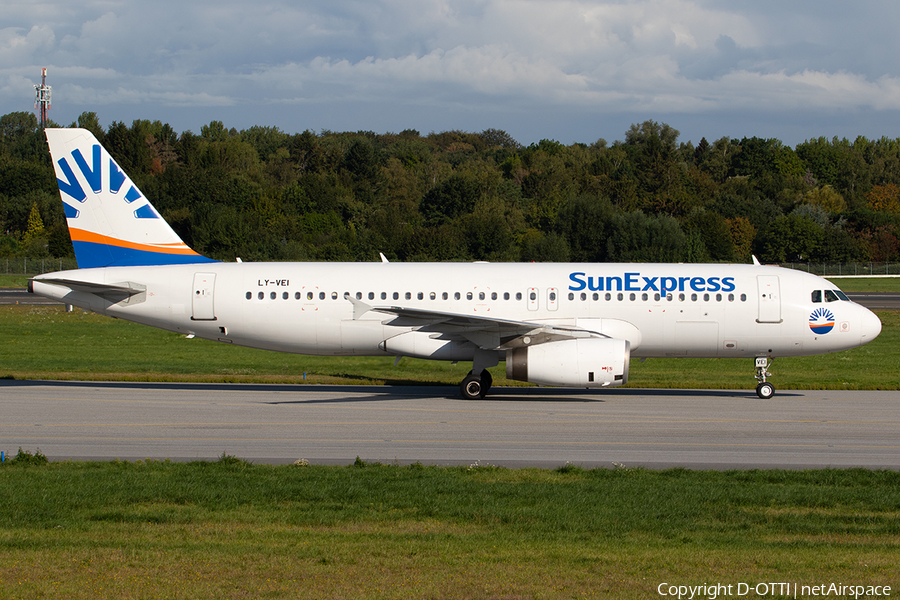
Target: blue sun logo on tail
821, 321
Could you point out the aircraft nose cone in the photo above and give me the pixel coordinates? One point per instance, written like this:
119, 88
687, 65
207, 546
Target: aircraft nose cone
871, 327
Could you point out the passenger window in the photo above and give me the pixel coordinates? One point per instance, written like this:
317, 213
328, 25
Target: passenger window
371, 295
309, 296
595, 296
481, 295
506, 295
620, 296
718, 297
532, 296
262, 295
670, 296
456, 295
553, 296
396, 295
583, 296
693, 297
408, 295
743, 297
493, 295
284, 296
420, 296
249, 295
444, 296
830, 296
706, 297
432, 296
681, 297
571, 296
644, 296
468, 295
518, 295
817, 296
731, 297
322, 295
632, 297
359, 295
608, 296
272, 295
333, 295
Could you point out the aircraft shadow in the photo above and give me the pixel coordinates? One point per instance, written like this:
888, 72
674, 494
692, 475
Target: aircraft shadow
396, 392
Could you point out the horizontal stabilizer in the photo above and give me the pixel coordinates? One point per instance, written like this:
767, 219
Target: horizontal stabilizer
125, 289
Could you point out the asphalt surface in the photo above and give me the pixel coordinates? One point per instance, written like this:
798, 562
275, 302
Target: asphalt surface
21, 296
515, 427
881, 300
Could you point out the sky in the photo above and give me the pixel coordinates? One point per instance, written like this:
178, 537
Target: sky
566, 70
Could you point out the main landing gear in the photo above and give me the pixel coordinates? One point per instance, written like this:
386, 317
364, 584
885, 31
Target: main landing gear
764, 390
474, 387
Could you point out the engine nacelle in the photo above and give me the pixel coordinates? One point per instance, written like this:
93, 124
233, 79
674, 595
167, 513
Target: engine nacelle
581, 362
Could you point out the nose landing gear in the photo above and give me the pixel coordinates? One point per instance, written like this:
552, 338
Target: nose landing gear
764, 390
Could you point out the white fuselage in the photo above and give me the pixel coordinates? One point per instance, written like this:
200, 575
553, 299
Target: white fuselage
689, 310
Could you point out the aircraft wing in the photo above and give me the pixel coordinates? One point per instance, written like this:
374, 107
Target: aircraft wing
488, 333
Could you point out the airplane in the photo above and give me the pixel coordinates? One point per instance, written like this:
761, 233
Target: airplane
554, 324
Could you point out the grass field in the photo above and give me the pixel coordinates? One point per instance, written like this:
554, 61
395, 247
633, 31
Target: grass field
234, 530
48, 343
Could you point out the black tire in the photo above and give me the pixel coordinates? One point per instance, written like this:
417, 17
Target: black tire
765, 390
471, 388
487, 380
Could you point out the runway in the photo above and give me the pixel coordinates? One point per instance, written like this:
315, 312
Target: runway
514, 427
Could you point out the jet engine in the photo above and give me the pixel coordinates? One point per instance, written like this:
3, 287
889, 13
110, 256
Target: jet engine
580, 362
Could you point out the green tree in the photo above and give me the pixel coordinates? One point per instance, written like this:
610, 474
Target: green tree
35, 225
16, 126
91, 122
454, 197
793, 238
636, 237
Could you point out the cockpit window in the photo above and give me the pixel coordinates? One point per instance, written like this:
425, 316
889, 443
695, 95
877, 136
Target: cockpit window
830, 296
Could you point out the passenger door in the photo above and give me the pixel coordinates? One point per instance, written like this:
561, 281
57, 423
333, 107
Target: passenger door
769, 296
202, 300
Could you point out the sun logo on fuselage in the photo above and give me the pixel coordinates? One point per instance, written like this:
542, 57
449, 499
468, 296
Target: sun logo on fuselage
821, 321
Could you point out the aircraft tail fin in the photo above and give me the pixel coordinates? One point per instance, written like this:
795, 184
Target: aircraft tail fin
110, 221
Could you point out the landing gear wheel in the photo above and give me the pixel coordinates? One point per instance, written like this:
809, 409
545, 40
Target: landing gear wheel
472, 388
765, 390
486, 382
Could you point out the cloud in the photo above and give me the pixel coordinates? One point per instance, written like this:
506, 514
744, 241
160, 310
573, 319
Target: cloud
542, 59
18, 47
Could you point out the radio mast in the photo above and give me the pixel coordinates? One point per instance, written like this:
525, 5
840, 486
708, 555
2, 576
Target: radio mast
42, 98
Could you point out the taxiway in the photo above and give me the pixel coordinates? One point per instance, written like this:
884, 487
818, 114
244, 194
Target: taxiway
514, 427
